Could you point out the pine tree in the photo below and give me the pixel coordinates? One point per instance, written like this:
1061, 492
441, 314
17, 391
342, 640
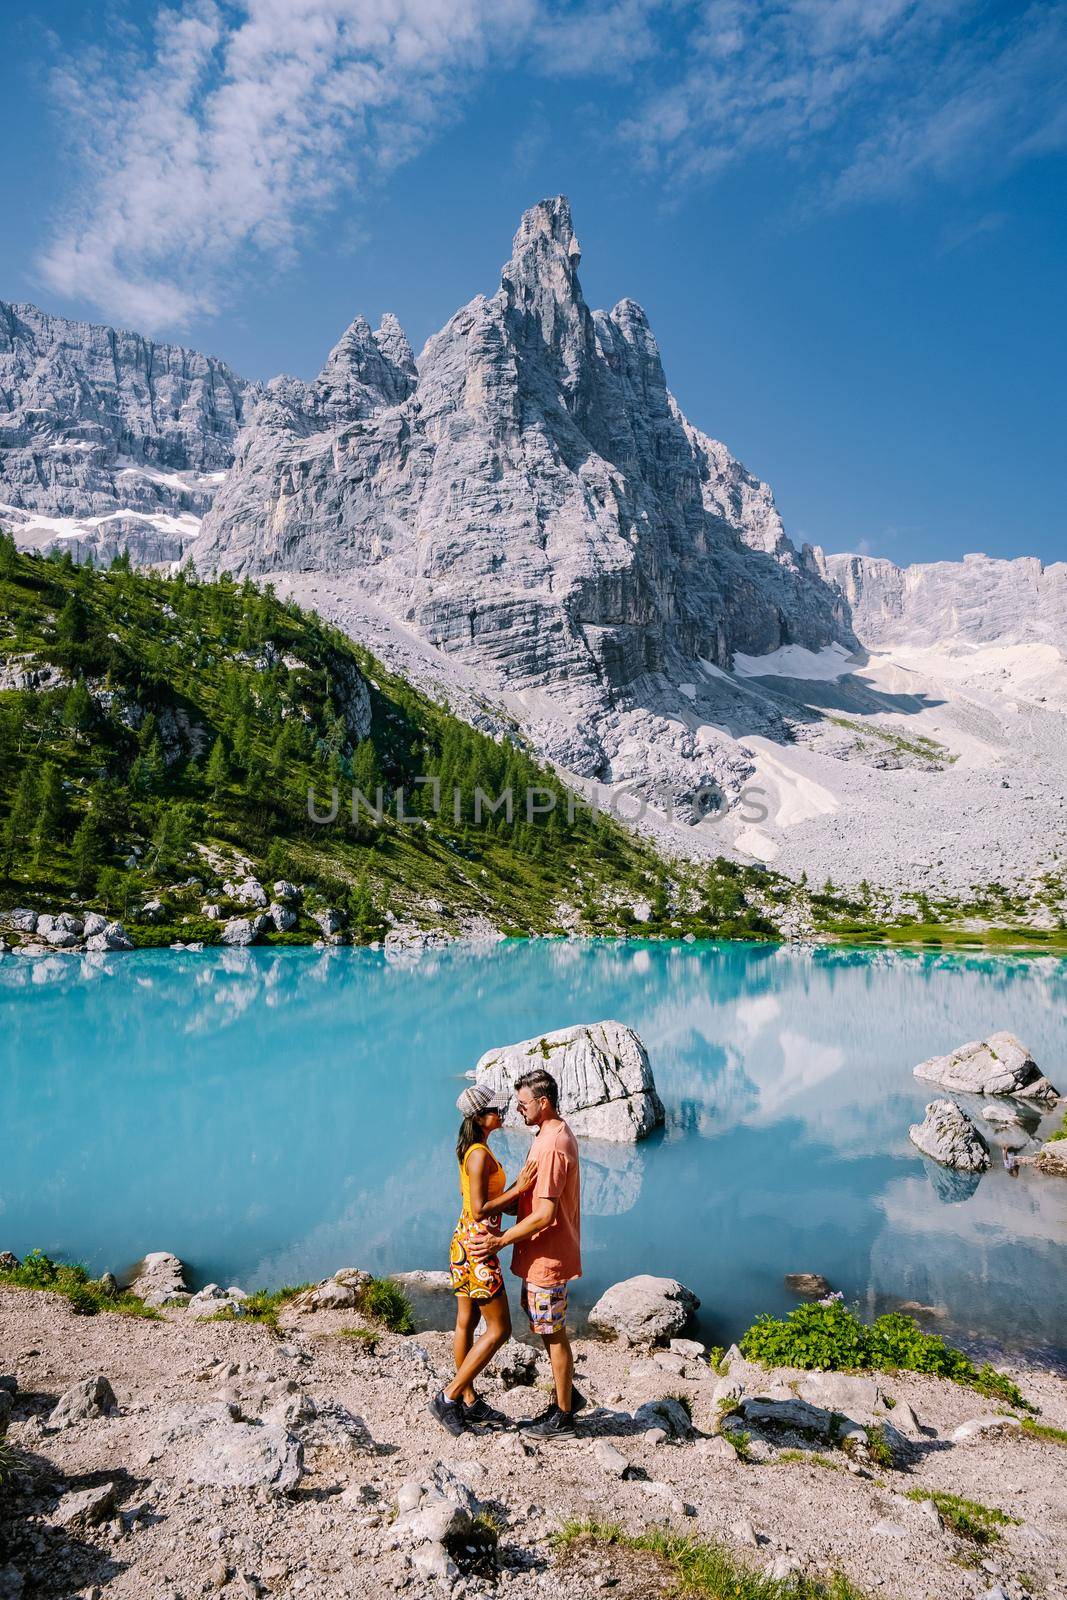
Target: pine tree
87, 853
72, 624
8, 555
78, 707
217, 772
51, 809
19, 823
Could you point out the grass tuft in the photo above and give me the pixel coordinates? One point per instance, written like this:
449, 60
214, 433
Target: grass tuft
968, 1519
704, 1570
385, 1302
1044, 1431
878, 1447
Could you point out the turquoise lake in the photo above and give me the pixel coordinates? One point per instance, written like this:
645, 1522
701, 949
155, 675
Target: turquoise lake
271, 1116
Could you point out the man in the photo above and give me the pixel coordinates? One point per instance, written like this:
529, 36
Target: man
546, 1242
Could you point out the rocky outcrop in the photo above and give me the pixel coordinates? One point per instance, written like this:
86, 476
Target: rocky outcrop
645, 1309
532, 498
947, 1134
993, 1066
159, 1280
979, 600
1052, 1158
606, 1088
108, 440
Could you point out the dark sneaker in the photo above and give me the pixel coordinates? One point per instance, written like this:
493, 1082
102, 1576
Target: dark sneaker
449, 1413
555, 1424
578, 1403
485, 1415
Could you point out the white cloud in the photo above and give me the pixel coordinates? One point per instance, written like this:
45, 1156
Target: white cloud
208, 151
229, 134
866, 97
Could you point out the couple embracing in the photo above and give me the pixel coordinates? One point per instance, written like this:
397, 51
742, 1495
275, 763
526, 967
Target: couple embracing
545, 1253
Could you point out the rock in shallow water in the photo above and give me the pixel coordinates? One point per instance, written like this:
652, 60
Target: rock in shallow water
948, 1135
606, 1088
998, 1065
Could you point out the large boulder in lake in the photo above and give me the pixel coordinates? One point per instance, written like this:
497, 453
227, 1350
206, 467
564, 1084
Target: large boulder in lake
606, 1088
1000, 1064
948, 1135
644, 1310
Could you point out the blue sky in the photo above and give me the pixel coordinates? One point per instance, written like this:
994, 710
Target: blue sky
845, 218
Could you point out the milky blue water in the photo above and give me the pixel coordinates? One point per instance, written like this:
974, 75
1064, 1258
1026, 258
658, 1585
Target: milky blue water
271, 1116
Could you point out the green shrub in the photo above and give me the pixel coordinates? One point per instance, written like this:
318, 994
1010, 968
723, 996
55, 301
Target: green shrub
85, 1294
878, 1447
832, 1338
385, 1302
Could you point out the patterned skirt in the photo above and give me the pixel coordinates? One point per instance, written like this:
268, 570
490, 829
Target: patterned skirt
478, 1280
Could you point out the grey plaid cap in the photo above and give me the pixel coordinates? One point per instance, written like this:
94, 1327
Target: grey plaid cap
476, 1100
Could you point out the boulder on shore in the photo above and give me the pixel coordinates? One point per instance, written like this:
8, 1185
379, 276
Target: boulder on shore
644, 1309
948, 1135
606, 1088
159, 1280
997, 1065
1052, 1158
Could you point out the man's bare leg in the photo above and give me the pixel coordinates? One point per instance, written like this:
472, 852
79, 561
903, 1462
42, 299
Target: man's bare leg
561, 1356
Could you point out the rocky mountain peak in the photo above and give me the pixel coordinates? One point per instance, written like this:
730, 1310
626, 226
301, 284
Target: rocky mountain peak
542, 292
366, 370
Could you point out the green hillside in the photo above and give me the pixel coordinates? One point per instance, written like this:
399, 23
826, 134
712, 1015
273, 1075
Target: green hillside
154, 729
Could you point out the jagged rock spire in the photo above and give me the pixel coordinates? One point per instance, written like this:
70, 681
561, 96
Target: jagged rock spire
542, 289
366, 369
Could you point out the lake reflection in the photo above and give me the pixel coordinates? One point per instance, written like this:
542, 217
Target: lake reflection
271, 1116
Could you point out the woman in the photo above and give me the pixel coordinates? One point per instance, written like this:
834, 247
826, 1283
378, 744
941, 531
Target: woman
478, 1285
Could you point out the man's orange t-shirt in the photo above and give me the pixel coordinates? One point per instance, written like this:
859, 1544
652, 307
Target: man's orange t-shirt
553, 1256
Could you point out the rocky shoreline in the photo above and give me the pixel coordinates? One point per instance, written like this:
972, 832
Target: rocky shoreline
178, 1457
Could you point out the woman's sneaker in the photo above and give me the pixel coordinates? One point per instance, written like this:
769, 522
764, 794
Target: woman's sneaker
449, 1413
485, 1415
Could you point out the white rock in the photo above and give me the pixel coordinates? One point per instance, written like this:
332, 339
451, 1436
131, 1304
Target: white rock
666, 1413
94, 923
978, 1427
744, 1532
612, 1461
1000, 1064
644, 1308
159, 1279
606, 1087
82, 1402
239, 931
948, 1135
283, 917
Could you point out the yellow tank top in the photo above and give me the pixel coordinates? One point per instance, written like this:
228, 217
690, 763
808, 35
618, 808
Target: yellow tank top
496, 1182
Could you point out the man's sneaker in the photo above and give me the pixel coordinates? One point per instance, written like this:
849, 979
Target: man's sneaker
449, 1413
555, 1424
485, 1415
578, 1403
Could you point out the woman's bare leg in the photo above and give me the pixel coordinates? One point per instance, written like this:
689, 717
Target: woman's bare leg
467, 1313
497, 1314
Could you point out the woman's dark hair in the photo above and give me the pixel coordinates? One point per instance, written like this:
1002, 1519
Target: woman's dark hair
471, 1133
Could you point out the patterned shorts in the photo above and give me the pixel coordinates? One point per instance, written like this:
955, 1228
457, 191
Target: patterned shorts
478, 1280
545, 1308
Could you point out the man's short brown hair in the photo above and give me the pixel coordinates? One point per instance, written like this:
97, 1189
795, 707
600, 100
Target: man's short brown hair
542, 1084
